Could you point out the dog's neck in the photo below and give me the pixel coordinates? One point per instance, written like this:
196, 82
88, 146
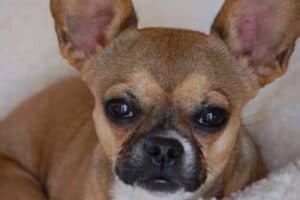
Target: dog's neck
99, 180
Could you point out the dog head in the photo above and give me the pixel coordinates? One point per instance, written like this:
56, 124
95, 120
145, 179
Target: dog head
168, 101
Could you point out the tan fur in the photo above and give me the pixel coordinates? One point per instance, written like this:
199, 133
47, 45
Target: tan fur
60, 144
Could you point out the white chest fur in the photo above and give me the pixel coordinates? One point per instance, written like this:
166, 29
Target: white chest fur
120, 191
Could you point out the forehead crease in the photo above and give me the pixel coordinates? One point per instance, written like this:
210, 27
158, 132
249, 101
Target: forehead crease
170, 79
172, 54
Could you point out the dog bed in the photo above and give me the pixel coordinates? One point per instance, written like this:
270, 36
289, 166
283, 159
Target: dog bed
281, 184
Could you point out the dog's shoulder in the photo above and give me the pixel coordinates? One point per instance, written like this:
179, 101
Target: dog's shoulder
45, 122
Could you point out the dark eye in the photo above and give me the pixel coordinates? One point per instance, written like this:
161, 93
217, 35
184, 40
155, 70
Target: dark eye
120, 110
211, 119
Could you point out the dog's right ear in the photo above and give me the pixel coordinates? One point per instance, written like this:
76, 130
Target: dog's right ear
85, 27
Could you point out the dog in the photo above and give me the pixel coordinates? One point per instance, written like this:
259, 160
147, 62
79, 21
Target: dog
156, 113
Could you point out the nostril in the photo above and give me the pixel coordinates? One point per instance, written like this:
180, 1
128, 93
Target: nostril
173, 153
154, 151
163, 151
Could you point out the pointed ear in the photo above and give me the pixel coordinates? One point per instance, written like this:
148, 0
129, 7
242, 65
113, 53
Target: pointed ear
260, 33
85, 27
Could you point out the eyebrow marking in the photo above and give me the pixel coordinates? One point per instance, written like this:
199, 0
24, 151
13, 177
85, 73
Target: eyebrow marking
221, 91
131, 95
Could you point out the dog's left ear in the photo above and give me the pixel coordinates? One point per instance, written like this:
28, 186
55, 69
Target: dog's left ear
85, 27
260, 33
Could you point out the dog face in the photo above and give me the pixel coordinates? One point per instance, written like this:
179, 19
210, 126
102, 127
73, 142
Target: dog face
162, 120
167, 101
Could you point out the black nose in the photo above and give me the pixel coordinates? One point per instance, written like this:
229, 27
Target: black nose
163, 152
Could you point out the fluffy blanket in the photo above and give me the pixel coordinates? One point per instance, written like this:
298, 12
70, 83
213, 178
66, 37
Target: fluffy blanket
281, 184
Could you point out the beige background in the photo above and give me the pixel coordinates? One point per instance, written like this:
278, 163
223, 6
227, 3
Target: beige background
29, 60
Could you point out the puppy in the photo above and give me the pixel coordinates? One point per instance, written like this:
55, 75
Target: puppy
160, 116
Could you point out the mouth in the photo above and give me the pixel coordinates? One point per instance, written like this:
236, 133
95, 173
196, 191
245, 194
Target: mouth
150, 164
159, 184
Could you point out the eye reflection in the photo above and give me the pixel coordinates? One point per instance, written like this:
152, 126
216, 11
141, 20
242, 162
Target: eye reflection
120, 109
211, 119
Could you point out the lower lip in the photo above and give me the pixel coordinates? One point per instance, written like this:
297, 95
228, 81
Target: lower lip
159, 185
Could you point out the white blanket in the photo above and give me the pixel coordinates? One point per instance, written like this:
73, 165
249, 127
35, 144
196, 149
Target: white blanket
280, 185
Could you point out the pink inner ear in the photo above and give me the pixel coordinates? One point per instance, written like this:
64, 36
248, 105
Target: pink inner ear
247, 31
257, 29
88, 25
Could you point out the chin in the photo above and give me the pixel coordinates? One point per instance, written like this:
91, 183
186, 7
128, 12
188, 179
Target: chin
123, 191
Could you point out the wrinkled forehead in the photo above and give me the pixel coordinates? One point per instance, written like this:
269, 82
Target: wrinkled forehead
172, 59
